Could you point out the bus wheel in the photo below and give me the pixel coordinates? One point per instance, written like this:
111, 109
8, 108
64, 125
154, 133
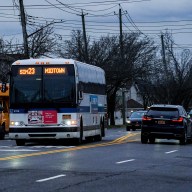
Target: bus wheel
102, 127
97, 138
81, 132
2, 134
20, 142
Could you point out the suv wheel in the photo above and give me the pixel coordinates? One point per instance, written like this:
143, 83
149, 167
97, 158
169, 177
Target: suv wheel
144, 139
183, 140
152, 140
20, 142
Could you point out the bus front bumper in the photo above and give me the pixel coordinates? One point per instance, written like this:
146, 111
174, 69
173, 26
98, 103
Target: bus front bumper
43, 133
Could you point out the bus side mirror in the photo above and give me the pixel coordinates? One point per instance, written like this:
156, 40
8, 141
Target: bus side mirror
80, 95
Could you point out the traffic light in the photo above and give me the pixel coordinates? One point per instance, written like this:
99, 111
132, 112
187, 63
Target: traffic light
3, 87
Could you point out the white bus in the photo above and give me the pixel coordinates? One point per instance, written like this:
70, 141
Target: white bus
56, 99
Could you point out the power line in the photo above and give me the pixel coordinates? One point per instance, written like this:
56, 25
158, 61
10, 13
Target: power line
51, 5
106, 2
59, 7
99, 23
95, 27
69, 7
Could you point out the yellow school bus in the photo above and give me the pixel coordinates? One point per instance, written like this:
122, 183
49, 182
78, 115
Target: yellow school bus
4, 110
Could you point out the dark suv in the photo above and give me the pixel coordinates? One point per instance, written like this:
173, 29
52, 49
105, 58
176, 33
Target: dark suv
135, 120
167, 122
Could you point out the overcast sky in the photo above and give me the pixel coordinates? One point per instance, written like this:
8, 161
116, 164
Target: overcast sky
152, 17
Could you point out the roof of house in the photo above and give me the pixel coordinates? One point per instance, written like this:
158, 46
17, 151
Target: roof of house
131, 103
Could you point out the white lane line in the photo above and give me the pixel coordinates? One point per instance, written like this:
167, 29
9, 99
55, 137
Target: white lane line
5, 146
47, 147
50, 178
171, 151
17, 150
129, 160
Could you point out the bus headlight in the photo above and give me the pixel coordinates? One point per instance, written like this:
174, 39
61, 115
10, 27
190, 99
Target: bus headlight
17, 123
68, 122
71, 122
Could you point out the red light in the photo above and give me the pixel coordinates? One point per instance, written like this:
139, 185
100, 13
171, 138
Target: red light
145, 118
180, 119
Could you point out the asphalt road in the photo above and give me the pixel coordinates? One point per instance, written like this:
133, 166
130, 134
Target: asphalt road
118, 163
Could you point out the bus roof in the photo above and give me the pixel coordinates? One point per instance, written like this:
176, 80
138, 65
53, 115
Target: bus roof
43, 61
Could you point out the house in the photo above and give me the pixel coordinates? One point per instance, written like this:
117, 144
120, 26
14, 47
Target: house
132, 102
133, 105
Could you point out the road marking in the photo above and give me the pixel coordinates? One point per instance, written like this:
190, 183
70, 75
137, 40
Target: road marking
33, 148
5, 146
124, 138
17, 150
49, 146
50, 178
129, 160
120, 140
171, 151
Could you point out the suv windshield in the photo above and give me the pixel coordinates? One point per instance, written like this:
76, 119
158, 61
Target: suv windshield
137, 114
163, 112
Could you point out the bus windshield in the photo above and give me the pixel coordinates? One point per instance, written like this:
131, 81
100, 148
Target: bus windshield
37, 85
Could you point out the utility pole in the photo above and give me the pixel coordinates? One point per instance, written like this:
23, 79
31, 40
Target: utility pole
123, 106
163, 52
165, 67
122, 61
23, 23
121, 33
84, 36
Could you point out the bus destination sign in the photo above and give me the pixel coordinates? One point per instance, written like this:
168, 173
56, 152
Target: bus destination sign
27, 71
47, 70
54, 70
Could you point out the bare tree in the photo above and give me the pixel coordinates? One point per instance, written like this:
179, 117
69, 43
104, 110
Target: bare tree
42, 43
169, 82
179, 75
105, 53
9, 52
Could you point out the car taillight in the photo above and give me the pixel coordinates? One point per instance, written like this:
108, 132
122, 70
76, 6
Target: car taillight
180, 119
146, 118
